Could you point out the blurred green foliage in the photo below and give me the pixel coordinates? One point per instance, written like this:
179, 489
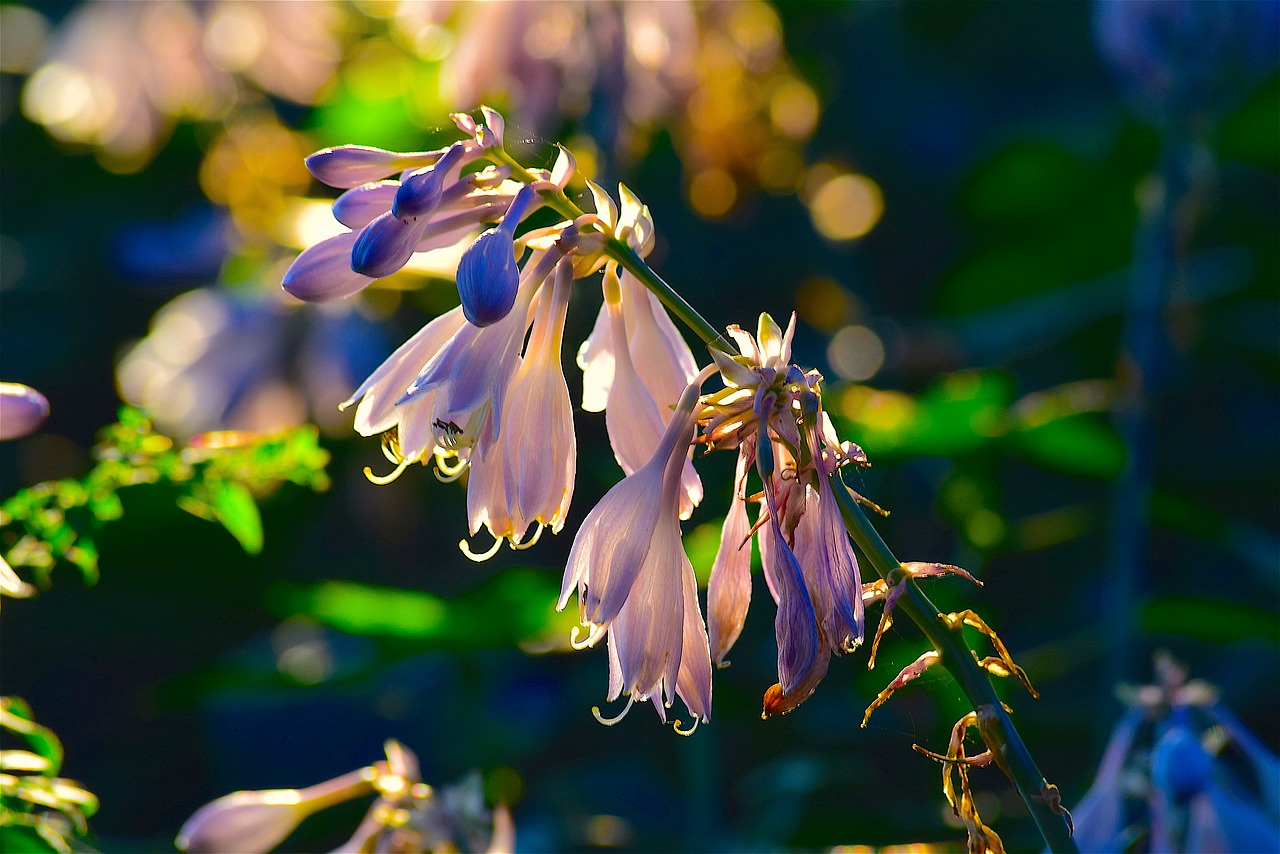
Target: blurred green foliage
39, 811
219, 475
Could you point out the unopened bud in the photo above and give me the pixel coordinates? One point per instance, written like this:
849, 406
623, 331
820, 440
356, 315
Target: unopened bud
323, 272
22, 410
352, 165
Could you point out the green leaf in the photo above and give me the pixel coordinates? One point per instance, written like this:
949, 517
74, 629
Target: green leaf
1085, 445
365, 609
234, 507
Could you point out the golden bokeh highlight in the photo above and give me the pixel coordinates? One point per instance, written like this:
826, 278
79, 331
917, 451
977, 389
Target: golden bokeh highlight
254, 168
793, 109
846, 206
713, 192
823, 304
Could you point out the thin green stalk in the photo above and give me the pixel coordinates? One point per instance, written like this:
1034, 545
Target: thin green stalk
960, 663
955, 656
627, 257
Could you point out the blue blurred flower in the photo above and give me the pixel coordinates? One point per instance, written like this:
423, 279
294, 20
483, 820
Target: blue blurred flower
1164, 784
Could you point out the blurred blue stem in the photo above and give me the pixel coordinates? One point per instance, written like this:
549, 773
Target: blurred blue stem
1141, 362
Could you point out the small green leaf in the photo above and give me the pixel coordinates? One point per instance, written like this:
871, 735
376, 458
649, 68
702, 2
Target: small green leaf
235, 508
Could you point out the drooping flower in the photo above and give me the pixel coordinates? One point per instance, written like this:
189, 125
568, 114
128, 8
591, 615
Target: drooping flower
378, 395
729, 587
474, 368
771, 411
528, 478
635, 583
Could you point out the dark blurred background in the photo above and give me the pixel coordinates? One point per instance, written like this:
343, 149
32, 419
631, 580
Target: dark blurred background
1033, 248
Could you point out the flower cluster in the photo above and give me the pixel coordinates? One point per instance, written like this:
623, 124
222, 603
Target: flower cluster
481, 390
407, 815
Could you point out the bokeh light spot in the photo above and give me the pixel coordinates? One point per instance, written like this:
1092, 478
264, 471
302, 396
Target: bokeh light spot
713, 192
846, 207
823, 303
855, 353
793, 109
23, 33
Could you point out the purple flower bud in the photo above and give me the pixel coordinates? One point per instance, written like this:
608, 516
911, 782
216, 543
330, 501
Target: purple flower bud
353, 165
385, 245
323, 272
360, 206
487, 274
22, 410
420, 191
488, 277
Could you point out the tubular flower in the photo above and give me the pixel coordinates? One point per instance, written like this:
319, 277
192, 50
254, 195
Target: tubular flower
771, 411
529, 480
636, 584
460, 391
634, 356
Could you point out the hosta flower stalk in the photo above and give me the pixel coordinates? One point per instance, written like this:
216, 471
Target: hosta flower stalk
495, 404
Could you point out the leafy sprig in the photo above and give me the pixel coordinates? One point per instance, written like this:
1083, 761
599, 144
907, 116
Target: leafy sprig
220, 477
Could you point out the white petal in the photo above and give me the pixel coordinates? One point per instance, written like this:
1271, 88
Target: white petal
693, 684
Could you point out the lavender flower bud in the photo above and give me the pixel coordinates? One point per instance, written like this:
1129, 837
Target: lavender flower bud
488, 277
22, 410
352, 165
420, 192
323, 272
384, 245
243, 821
361, 205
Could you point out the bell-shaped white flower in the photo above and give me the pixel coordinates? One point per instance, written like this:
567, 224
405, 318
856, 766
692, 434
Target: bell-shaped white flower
541, 452
527, 477
377, 411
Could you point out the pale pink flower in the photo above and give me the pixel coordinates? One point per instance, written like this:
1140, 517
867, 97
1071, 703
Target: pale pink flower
527, 479
635, 582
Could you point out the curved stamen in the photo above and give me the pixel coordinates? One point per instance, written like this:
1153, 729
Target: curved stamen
445, 474
595, 710
392, 454
537, 534
383, 480
594, 635
483, 556
686, 732
442, 457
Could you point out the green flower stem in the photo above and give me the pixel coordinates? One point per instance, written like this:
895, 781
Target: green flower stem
624, 255
959, 662
956, 657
